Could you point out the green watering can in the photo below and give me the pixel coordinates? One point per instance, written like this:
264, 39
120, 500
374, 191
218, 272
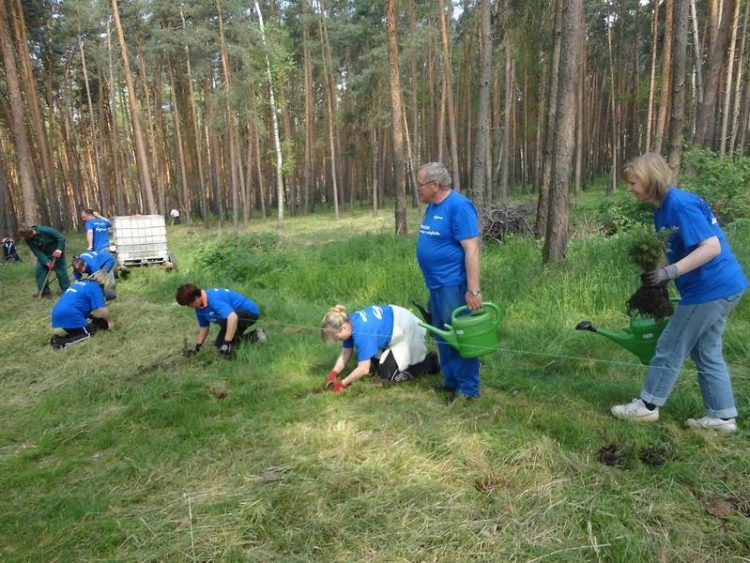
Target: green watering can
639, 338
472, 335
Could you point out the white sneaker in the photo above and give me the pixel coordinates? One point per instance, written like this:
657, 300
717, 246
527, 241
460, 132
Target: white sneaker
712, 423
635, 410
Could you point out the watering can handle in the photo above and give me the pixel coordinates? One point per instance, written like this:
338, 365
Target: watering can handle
486, 305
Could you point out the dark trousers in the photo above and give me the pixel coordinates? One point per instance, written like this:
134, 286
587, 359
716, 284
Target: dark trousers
388, 369
72, 336
245, 320
40, 271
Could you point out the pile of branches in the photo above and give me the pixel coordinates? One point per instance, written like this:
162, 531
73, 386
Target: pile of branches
499, 221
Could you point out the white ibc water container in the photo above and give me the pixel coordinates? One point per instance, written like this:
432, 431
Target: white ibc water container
140, 239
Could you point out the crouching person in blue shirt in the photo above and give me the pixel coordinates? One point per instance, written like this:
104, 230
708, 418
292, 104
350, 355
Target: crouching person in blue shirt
79, 311
232, 311
386, 336
89, 263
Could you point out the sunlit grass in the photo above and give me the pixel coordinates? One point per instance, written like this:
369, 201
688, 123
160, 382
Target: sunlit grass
122, 449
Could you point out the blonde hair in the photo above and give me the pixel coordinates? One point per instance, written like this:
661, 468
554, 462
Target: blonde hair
101, 278
652, 172
332, 322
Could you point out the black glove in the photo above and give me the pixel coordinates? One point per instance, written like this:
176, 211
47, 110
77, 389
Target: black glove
193, 351
659, 276
227, 350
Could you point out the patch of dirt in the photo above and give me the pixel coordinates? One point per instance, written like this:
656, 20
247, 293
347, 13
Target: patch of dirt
655, 455
613, 455
723, 508
219, 393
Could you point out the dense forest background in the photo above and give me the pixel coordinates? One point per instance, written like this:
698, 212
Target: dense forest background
229, 110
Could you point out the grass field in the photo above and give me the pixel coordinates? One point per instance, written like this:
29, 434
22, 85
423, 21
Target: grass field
121, 449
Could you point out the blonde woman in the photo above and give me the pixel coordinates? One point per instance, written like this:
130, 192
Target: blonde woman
710, 281
385, 334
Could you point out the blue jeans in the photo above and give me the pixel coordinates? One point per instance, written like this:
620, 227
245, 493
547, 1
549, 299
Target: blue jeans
461, 374
695, 330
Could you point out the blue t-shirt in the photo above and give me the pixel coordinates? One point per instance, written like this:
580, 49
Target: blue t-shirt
95, 261
372, 328
75, 305
220, 303
439, 251
693, 222
100, 228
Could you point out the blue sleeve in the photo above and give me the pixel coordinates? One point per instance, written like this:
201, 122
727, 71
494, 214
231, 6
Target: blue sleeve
89, 226
348, 343
465, 221
202, 320
694, 226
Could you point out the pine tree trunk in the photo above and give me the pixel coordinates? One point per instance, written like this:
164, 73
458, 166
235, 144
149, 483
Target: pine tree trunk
96, 140
479, 186
57, 208
706, 118
679, 66
555, 244
448, 77
726, 112
743, 57
542, 208
135, 114
397, 120
331, 106
666, 77
18, 126
309, 171
652, 74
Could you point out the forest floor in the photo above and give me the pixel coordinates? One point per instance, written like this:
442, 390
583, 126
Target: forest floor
121, 449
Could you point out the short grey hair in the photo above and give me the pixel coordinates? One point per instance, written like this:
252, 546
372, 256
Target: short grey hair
436, 172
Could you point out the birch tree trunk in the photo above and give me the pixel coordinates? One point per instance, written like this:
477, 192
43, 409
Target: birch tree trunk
275, 125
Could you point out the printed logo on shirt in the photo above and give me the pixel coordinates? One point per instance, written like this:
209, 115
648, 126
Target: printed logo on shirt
438, 217
425, 230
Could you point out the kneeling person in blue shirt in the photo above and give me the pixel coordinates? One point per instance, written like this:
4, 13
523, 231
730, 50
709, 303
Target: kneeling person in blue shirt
386, 335
82, 301
91, 262
232, 311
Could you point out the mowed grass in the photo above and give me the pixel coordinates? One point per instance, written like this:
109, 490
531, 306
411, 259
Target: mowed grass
122, 449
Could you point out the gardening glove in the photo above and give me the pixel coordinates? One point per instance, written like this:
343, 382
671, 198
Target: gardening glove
193, 351
57, 253
660, 275
331, 379
50, 265
339, 386
227, 350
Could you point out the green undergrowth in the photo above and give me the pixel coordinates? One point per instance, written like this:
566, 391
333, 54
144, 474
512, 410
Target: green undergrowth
122, 449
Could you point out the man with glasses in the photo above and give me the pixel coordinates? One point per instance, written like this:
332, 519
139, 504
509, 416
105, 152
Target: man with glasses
448, 254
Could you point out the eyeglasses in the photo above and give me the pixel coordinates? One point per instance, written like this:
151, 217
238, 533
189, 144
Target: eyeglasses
423, 184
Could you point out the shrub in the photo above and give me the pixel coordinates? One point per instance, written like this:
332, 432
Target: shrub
720, 180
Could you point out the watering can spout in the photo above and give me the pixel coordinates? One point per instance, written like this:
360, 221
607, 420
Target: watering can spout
639, 338
448, 335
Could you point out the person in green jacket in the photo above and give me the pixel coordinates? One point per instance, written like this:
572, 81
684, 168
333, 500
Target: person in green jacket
48, 245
